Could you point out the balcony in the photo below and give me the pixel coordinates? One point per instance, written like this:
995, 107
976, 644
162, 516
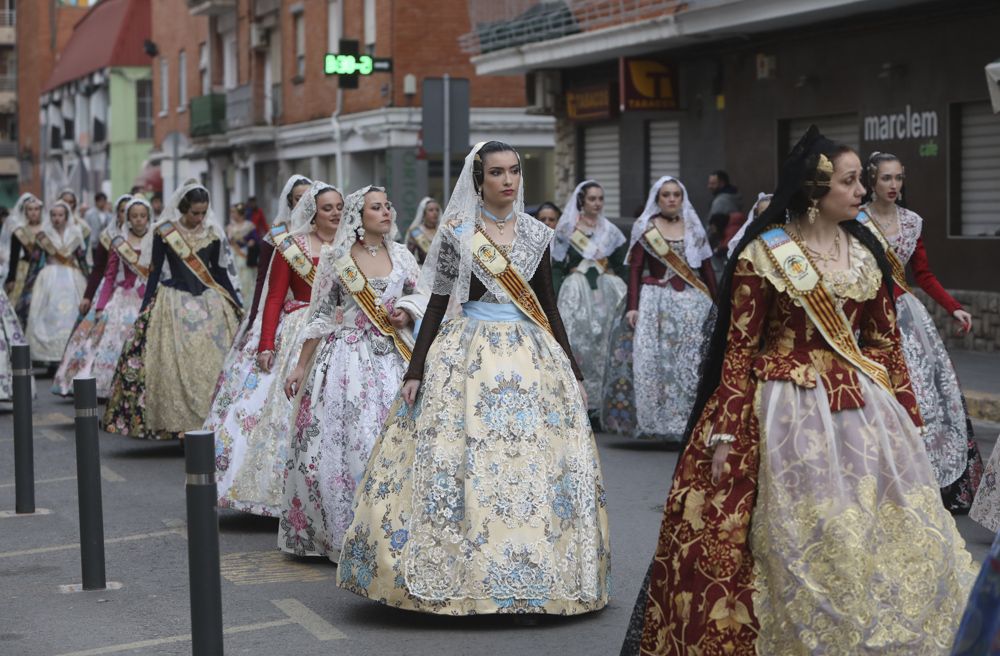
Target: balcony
240, 108
8, 94
210, 7
262, 8
208, 115
7, 25
8, 148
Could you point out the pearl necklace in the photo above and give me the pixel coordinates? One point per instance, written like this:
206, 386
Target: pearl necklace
372, 250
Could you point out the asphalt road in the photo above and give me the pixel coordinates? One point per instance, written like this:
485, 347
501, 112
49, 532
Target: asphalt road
272, 604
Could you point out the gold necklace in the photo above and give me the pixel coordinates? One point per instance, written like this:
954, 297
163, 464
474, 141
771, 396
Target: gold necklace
832, 255
883, 223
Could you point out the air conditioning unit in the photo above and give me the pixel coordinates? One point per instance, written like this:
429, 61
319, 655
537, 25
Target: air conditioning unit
259, 37
543, 88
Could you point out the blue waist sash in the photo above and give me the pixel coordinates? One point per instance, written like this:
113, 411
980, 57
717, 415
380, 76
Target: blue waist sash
493, 311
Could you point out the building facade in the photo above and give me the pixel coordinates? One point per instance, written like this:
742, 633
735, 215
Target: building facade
643, 89
255, 104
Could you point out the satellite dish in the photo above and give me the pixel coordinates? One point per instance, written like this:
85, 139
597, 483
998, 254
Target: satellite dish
993, 80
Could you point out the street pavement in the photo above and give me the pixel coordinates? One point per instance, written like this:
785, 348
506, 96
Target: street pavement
272, 604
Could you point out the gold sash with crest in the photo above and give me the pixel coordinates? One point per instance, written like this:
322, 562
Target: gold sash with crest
129, 256
53, 253
26, 237
898, 270
581, 242
355, 282
805, 283
296, 258
673, 260
106, 240
419, 236
175, 240
493, 262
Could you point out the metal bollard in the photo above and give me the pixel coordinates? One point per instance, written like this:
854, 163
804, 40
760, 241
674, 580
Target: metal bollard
24, 452
88, 482
203, 544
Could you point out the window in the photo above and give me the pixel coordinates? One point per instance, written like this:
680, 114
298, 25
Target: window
182, 87
206, 80
300, 45
332, 25
164, 86
370, 26
230, 78
975, 172
144, 109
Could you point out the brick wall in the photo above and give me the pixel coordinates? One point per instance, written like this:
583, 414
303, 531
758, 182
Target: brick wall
565, 159
985, 310
175, 29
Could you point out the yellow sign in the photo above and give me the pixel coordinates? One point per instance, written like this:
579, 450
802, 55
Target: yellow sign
647, 84
588, 103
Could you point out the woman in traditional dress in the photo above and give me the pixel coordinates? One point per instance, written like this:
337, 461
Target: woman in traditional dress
10, 328
804, 516
361, 339
588, 253
164, 379
243, 239
27, 223
948, 435
78, 359
252, 421
484, 491
420, 234
671, 288
548, 213
55, 284
13, 220
69, 197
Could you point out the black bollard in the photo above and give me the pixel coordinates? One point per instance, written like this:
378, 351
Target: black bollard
24, 452
203, 544
88, 483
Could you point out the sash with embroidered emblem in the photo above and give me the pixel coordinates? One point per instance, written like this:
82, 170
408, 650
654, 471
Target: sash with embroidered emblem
275, 233
175, 240
673, 261
805, 283
355, 282
26, 238
420, 238
106, 240
129, 256
53, 253
898, 270
493, 262
580, 243
296, 258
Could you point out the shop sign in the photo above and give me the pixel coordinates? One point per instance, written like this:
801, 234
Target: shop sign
907, 124
646, 85
589, 103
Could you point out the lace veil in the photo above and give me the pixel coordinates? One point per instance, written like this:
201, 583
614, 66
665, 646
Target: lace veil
418, 218
605, 240
71, 237
284, 211
738, 237
696, 248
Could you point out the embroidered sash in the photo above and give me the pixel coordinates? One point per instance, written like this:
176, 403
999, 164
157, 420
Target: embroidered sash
25, 237
106, 240
419, 236
51, 251
580, 243
297, 260
129, 256
898, 270
805, 283
356, 284
673, 260
493, 262
275, 233
175, 240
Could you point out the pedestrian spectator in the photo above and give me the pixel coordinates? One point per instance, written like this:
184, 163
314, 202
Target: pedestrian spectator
548, 213
99, 216
157, 203
256, 215
726, 201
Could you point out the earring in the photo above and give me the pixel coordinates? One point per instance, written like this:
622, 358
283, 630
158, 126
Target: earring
813, 212
361, 233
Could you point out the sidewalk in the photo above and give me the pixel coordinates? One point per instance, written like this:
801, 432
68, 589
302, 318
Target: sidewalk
979, 375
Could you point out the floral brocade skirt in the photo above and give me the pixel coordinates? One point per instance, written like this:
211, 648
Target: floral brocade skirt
486, 496
837, 543
55, 303
165, 376
10, 335
588, 315
252, 419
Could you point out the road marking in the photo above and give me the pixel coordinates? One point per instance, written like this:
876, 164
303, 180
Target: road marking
296, 611
53, 419
76, 545
7, 514
269, 567
51, 435
110, 475
61, 479
308, 620
78, 587
107, 474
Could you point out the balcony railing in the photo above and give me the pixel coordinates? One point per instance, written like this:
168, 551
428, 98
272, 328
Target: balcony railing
210, 7
8, 18
8, 148
498, 24
240, 108
8, 83
265, 7
208, 115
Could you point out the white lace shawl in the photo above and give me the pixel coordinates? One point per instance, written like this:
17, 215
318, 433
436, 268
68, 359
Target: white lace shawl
696, 249
731, 246
71, 237
605, 240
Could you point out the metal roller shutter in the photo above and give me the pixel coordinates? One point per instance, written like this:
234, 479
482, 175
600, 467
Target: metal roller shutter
838, 128
979, 180
664, 145
600, 163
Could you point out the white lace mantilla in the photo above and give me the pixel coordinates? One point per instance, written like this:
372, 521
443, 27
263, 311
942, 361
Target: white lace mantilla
905, 241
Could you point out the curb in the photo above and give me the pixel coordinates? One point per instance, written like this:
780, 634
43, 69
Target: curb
983, 405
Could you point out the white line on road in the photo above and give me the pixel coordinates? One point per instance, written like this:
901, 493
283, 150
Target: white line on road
8, 514
108, 474
76, 545
171, 639
51, 435
61, 479
308, 620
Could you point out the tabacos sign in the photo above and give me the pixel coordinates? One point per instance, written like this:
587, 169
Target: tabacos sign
904, 125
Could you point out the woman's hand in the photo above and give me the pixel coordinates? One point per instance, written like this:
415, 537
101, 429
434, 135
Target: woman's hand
294, 380
84, 306
964, 318
632, 317
265, 360
409, 391
583, 393
719, 461
400, 319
